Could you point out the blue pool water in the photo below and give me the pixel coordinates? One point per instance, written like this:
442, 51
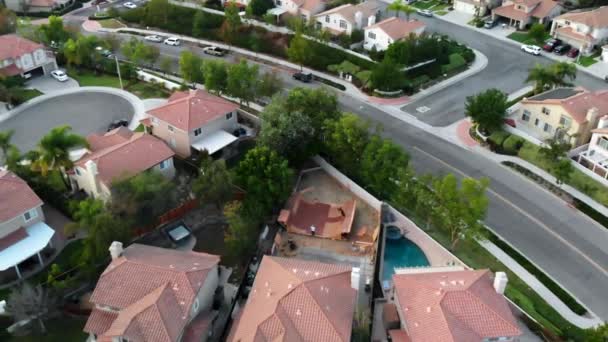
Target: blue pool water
401, 253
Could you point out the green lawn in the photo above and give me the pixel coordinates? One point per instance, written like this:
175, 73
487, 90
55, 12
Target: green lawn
111, 23
425, 4
523, 38
61, 329
22, 94
148, 90
588, 60
441, 12
90, 79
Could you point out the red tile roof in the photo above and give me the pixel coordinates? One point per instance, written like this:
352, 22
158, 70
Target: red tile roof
13, 46
569, 32
397, 28
541, 9
398, 335
152, 290
16, 197
11, 70
296, 300
199, 327
579, 104
190, 110
12, 238
597, 18
453, 306
122, 153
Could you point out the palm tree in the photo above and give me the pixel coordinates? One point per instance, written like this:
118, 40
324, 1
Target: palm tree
54, 151
561, 71
5, 141
542, 78
399, 6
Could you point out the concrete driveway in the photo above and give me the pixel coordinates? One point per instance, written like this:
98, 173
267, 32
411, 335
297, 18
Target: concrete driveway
47, 84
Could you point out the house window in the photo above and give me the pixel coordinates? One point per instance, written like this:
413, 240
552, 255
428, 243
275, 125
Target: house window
154, 121
565, 121
603, 143
195, 305
30, 215
229, 116
198, 132
171, 129
546, 111
326, 18
526, 115
567, 22
547, 128
371, 35
77, 171
279, 3
343, 24
536, 122
164, 164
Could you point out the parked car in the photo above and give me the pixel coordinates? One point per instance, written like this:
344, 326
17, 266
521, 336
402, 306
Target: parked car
173, 41
59, 75
425, 12
562, 49
118, 123
104, 52
214, 50
129, 5
551, 44
303, 77
531, 49
490, 23
573, 53
154, 38
99, 2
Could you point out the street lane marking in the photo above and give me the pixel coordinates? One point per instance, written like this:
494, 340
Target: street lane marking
532, 218
423, 109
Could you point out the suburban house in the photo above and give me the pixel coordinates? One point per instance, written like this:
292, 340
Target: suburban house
347, 18
567, 113
475, 7
585, 30
297, 300
384, 33
36, 6
594, 156
304, 9
154, 294
23, 232
456, 305
194, 120
332, 221
116, 155
521, 13
23, 57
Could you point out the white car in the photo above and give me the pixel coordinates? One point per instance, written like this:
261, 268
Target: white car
173, 41
59, 75
214, 51
153, 38
129, 5
531, 49
425, 12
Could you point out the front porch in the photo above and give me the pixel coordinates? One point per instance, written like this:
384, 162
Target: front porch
595, 161
30, 242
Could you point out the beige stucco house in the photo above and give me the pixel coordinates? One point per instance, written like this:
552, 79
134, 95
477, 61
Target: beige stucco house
521, 13
475, 7
584, 30
36, 6
347, 18
20, 56
115, 155
154, 294
194, 120
23, 232
567, 113
384, 33
304, 9
595, 155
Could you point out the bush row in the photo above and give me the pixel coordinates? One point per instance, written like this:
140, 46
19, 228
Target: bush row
505, 143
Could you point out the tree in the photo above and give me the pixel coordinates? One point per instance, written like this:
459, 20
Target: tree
386, 76
166, 64
54, 151
345, 139
554, 149
564, 73
268, 85
215, 74
260, 7
241, 234
190, 67
80, 51
537, 32
31, 303
559, 74
54, 31
542, 78
8, 21
266, 178
213, 185
232, 22
137, 52
198, 24
400, 6
562, 170
487, 109
157, 12
597, 334
241, 81
5, 141
299, 50
381, 161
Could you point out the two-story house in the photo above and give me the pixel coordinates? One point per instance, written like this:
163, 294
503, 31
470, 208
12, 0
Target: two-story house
522, 13
595, 155
36, 6
567, 113
585, 30
154, 294
23, 232
194, 120
456, 305
347, 18
384, 33
475, 7
20, 56
304, 9
297, 300
116, 155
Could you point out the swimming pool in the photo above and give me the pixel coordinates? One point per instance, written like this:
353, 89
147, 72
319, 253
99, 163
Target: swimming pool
401, 253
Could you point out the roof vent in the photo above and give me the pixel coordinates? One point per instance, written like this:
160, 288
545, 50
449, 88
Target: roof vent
327, 307
171, 266
294, 270
306, 272
289, 286
266, 284
453, 282
298, 312
442, 283
416, 324
461, 282
428, 309
182, 303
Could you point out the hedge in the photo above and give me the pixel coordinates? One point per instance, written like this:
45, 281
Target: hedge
456, 61
498, 137
512, 144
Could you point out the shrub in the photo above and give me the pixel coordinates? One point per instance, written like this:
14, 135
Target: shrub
135, 15
512, 144
498, 137
357, 36
419, 81
456, 62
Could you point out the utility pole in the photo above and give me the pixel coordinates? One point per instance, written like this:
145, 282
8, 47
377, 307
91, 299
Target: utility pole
118, 71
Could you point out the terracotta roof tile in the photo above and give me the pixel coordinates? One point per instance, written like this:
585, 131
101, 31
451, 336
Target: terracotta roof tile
544, 8
99, 321
190, 110
397, 28
16, 197
295, 300
12, 238
597, 18
13, 46
541, 8
453, 306
577, 105
367, 8
509, 11
569, 32
398, 335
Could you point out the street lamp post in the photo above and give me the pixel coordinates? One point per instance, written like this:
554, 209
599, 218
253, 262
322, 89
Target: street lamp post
118, 71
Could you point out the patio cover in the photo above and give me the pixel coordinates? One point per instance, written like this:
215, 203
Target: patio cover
277, 11
38, 237
214, 142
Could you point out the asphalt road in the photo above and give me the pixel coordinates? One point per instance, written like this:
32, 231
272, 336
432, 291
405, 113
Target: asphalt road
507, 70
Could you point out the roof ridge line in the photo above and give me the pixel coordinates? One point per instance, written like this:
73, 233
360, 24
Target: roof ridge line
324, 314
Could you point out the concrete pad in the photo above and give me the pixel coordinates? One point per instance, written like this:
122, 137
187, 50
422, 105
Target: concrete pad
47, 84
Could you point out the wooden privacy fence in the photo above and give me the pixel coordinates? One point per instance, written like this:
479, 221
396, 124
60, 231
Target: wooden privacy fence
169, 216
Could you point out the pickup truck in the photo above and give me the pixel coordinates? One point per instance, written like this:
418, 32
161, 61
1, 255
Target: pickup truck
214, 50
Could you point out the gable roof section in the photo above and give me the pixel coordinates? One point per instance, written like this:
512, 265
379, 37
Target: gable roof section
152, 290
453, 306
16, 197
14, 46
576, 105
190, 110
541, 9
347, 11
597, 18
296, 300
397, 28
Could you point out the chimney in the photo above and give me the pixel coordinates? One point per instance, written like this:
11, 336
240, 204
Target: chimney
371, 20
500, 282
91, 167
592, 115
355, 274
115, 249
358, 19
603, 123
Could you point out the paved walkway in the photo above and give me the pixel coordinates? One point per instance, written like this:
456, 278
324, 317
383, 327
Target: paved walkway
580, 321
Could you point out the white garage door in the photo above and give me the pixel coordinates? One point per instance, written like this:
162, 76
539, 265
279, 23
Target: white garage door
464, 7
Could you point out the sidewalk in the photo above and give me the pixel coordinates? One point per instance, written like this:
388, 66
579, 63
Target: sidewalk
580, 321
